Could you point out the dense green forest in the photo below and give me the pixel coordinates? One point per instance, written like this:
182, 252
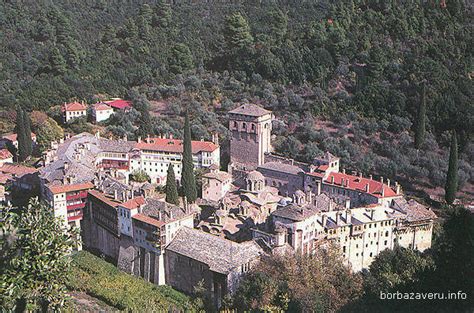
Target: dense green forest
347, 76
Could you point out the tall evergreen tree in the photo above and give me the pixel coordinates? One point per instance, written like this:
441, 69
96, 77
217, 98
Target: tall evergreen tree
237, 32
452, 176
421, 120
20, 134
27, 134
188, 181
171, 189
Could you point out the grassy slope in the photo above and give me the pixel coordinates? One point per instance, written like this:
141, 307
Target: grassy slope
105, 282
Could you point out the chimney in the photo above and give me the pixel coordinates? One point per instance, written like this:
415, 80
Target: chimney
372, 214
342, 182
338, 217
367, 187
383, 191
344, 171
348, 216
331, 205
332, 180
159, 215
319, 188
381, 179
398, 188
139, 139
97, 134
115, 194
324, 219
360, 175
310, 197
125, 138
370, 176
388, 182
66, 166
171, 136
348, 204
148, 138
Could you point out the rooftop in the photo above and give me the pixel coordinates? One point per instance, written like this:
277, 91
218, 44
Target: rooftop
295, 212
5, 154
74, 106
55, 189
251, 110
175, 145
221, 255
360, 184
101, 107
16, 169
104, 198
281, 167
119, 104
219, 175
13, 137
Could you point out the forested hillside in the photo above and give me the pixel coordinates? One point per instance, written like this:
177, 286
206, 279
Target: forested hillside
344, 76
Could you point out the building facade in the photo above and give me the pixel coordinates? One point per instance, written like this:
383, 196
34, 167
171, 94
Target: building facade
73, 110
101, 112
154, 155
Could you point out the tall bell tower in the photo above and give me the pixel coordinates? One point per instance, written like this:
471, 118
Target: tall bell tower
251, 127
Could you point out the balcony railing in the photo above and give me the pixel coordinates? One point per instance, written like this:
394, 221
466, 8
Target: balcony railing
76, 206
78, 195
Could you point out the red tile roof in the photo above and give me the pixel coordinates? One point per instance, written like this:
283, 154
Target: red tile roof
15, 169
148, 220
5, 154
101, 107
4, 178
68, 188
102, 197
13, 137
74, 106
120, 104
133, 203
359, 184
175, 145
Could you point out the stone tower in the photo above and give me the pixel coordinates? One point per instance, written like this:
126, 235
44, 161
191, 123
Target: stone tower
251, 128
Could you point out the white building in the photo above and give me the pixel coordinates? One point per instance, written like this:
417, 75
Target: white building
360, 233
73, 110
101, 112
154, 155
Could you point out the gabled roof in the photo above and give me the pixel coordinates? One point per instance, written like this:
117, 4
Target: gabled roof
133, 203
68, 188
221, 255
281, 167
5, 154
104, 198
13, 137
16, 169
358, 183
101, 107
74, 106
175, 145
119, 104
250, 110
148, 220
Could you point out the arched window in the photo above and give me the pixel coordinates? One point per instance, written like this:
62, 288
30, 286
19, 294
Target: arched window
244, 126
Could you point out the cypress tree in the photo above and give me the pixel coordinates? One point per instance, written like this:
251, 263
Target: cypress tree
452, 176
27, 134
20, 134
170, 188
188, 180
421, 120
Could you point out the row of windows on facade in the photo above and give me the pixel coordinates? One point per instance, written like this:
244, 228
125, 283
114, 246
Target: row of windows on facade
244, 125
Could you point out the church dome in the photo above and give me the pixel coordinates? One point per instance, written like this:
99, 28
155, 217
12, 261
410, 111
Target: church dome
255, 175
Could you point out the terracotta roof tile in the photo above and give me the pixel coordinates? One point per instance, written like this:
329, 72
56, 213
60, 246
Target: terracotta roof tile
359, 184
13, 137
133, 203
148, 220
5, 154
67, 188
119, 104
101, 107
74, 106
175, 145
18, 170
